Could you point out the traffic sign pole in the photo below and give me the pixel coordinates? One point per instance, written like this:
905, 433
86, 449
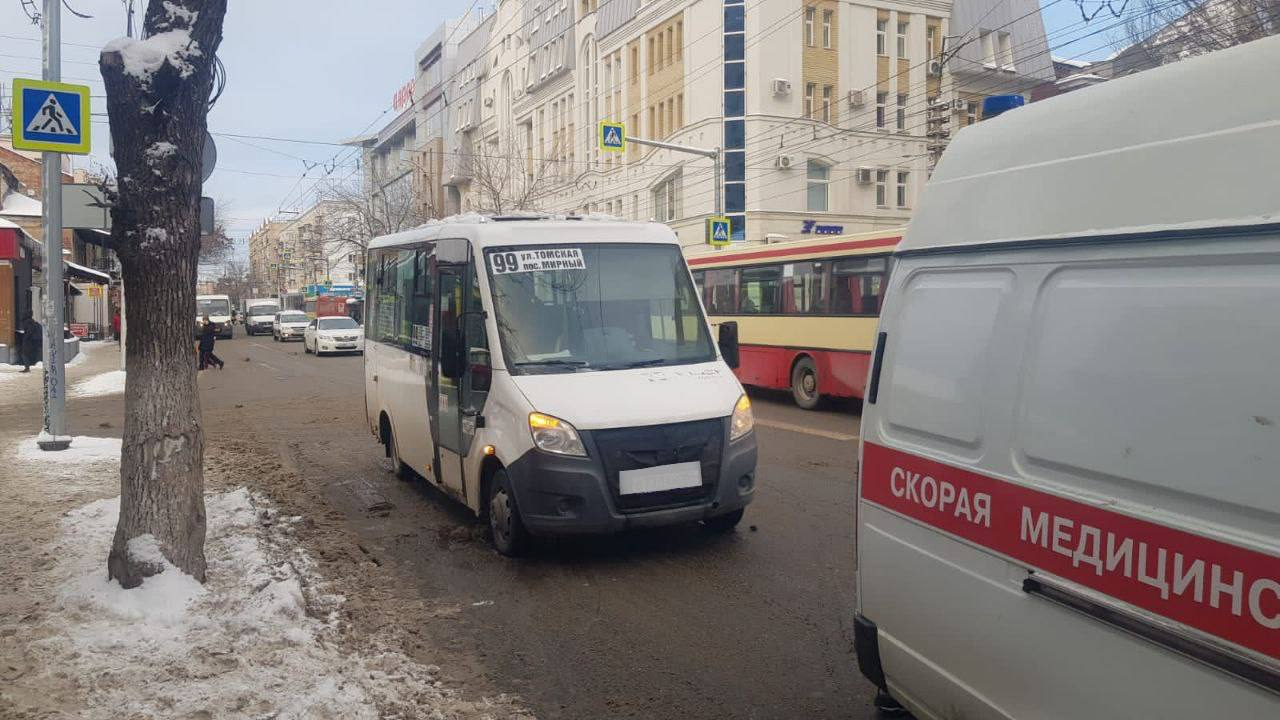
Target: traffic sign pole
54, 436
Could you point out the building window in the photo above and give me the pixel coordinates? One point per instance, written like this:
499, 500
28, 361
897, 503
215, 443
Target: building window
652, 60
635, 64
881, 100
826, 29
931, 42
902, 112
809, 90
826, 103
666, 199
882, 196
882, 27
808, 26
1006, 50
902, 188
902, 39
679, 40
970, 112
988, 43
817, 177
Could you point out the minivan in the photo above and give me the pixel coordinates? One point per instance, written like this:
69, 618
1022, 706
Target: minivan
1069, 470
555, 375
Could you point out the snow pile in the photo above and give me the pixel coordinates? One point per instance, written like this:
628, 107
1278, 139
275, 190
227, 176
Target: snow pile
158, 150
84, 450
257, 640
108, 383
142, 58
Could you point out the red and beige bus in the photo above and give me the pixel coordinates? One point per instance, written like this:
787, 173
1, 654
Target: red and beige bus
806, 309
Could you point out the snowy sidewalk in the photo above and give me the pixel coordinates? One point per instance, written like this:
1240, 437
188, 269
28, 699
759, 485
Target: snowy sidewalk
260, 639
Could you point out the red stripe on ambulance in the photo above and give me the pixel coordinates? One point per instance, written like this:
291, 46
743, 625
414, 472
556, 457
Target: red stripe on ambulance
1219, 588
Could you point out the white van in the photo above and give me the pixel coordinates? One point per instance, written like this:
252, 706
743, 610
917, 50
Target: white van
218, 309
556, 376
1069, 491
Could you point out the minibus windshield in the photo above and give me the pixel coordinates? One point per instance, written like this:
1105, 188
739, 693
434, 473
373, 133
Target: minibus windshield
213, 306
569, 308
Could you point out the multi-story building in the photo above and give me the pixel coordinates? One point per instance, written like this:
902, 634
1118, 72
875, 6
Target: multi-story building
317, 248
999, 48
819, 106
264, 258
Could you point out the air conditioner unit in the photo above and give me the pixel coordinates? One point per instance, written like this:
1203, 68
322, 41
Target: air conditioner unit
855, 98
864, 176
488, 102
935, 68
782, 162
781, 87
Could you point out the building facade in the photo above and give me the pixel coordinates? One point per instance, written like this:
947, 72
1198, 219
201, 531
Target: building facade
820, 107
264, 258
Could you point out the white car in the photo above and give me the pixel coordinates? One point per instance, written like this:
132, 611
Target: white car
333, 334
289, 325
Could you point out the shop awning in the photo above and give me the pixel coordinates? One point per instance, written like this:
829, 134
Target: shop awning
83, 273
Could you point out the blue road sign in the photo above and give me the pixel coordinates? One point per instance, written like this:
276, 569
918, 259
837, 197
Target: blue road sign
613, 136
719, 231
50, 116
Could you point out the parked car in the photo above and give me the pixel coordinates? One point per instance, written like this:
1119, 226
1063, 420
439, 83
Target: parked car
1068, 503
289, 325
333, 334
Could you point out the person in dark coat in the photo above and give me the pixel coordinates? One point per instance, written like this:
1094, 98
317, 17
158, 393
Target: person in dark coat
208, 334
32, 347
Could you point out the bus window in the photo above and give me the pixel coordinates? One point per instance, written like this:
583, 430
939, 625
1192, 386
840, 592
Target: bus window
760, 291
419, 308
858, 286
804, 288
722, 291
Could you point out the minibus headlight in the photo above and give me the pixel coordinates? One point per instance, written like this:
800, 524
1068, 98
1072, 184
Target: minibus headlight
743, 421
554, 435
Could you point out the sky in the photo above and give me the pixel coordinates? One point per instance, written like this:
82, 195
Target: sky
314, 70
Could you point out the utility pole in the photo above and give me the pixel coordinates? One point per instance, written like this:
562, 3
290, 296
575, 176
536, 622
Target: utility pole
936, 118
54, 435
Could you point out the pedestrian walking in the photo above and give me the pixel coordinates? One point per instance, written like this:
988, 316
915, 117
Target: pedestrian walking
208, 334
32, 347
115, 325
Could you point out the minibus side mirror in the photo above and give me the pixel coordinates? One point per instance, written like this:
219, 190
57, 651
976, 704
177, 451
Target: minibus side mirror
729, 343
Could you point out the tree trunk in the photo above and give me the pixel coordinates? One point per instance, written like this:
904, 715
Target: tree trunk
158, 114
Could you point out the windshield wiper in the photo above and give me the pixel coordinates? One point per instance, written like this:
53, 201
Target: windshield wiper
637, 364
556, 362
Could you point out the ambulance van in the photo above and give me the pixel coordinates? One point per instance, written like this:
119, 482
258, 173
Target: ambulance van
1069, 491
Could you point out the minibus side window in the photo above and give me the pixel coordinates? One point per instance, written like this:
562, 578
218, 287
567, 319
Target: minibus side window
760, 292
419, 310
478, 372
722, 291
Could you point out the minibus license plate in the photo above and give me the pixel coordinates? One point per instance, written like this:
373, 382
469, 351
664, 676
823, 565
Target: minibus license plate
660, 478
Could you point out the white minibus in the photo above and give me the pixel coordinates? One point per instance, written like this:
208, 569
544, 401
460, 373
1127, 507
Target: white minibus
556, 376
218, 309
1069, 471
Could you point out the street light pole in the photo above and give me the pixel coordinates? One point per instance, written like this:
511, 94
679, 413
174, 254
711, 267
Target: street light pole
713, 153
54, 435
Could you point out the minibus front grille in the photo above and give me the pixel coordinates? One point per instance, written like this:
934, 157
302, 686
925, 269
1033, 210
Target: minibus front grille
650, 446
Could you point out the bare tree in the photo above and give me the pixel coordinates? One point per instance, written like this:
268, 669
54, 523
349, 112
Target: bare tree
158, 92
234, 280
355, 215
1159, 32
217, 246
512, 179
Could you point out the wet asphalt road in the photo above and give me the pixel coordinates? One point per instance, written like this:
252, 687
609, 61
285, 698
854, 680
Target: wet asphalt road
672, 623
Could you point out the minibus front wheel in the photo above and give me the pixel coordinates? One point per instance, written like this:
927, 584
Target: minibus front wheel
507, 529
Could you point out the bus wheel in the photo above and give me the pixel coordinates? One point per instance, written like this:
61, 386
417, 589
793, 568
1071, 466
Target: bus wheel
509, 535
804, 384
401, 470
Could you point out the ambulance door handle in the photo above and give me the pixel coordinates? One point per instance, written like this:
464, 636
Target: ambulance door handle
873, 388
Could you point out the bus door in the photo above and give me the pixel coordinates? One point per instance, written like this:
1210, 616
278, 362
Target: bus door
461, 371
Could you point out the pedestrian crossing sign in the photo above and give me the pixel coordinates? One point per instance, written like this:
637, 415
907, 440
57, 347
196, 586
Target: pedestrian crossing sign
613, 136
719, 231
50, 116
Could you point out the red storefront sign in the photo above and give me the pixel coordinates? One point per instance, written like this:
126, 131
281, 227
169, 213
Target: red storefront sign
10, 247
1222, 589
80, 330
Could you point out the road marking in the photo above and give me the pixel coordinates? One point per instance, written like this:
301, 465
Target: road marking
842, 437
269, 367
